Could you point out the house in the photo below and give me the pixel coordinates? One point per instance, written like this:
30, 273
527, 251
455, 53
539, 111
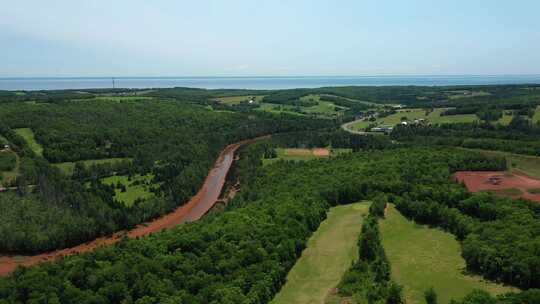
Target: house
382, 129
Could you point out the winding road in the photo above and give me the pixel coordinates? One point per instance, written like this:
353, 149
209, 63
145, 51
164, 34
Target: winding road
347, 127
193, 210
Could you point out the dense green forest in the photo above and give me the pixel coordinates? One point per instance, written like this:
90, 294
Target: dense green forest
243, 254
175, 143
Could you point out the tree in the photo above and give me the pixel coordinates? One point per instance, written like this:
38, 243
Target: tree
394, 294
430, 296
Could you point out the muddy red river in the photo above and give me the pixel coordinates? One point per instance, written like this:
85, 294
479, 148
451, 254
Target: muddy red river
193, 210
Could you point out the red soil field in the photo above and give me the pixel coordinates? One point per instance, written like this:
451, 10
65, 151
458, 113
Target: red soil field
498, 181
193, 210
307, 152
321, 152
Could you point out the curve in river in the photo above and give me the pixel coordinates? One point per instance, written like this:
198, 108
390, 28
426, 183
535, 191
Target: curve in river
193, 210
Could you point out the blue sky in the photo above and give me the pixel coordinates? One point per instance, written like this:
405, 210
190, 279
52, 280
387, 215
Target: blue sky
258, 37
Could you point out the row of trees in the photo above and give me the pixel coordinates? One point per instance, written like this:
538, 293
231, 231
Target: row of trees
368, 279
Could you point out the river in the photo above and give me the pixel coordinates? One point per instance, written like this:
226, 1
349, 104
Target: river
193, 210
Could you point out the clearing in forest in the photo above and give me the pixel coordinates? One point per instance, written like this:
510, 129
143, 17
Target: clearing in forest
502, 183
301, 154
329, 253
30, 139
423, 257
128, 190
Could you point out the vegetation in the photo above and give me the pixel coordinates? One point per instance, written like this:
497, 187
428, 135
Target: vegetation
243, 252
329, 252
130, 189
411, 247
8, 161
297, 154
69, 167
521, 136
529, 165
30, 139
174, 142
368, 279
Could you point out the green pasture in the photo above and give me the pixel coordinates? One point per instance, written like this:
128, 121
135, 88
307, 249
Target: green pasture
330, 252
423, 257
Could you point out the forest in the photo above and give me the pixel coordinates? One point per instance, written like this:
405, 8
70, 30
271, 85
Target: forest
242, 255
176, 143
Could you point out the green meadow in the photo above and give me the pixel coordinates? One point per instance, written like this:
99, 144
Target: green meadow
423, 257
329, 253
135, 188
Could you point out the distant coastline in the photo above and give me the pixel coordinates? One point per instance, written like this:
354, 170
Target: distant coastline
258, 82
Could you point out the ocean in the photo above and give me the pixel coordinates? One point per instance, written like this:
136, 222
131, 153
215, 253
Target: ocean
58, 83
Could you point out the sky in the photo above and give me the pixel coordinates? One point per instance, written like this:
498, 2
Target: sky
268, 38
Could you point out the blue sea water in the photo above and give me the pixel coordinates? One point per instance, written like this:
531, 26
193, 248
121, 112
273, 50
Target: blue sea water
57, 83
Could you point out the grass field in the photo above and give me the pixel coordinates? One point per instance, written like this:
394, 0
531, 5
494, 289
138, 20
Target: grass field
433, 117
323, 109
67, 167
132, 191
30, 139
296, 154
422, 257
527, 164
232, 100
536, 117
329, 253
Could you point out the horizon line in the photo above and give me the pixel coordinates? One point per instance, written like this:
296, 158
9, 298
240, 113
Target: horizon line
267, 76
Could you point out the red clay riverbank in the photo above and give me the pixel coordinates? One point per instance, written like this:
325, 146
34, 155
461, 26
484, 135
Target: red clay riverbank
191, 211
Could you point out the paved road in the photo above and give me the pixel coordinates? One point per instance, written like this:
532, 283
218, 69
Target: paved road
348, 127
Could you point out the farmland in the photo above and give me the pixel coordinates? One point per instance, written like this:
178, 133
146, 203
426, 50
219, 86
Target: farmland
423, 257
330, 251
